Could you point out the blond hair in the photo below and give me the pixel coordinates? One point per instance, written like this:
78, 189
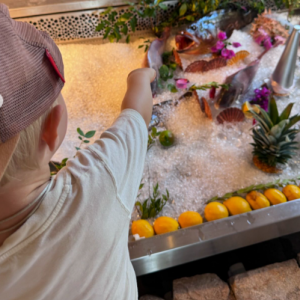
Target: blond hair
24, 156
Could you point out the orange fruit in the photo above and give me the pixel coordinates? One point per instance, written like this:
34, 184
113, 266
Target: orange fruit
292, 192
189, 218
237, 205
165, 224
143, 228
257, 200
215, 210
275, 196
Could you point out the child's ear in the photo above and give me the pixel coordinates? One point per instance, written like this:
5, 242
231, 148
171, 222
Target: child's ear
50, 128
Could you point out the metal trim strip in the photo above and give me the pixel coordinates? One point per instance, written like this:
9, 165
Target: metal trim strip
211, 238
63, 7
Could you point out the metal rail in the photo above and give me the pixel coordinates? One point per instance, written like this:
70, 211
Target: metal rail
211, 238
54, 6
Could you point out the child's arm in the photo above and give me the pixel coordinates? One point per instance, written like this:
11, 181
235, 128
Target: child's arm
139, 95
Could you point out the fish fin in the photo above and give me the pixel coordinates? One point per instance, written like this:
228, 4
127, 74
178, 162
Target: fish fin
207, 109
229, 78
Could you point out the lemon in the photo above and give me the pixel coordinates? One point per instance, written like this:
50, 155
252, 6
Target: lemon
275, 196
257, 200
165, 224
215, 210
237, 205
247, 107
166, 138
189, 218
292, 192
143, 228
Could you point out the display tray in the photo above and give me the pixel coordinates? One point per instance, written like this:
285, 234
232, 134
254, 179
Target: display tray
207, 159
208, 239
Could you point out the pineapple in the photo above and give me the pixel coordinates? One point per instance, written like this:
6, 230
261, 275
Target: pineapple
273, 137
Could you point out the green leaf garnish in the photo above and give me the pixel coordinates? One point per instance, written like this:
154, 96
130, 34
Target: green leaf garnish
182, 9
80, 131
90, 134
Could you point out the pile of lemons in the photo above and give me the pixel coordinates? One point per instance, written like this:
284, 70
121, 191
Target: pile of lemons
216, 210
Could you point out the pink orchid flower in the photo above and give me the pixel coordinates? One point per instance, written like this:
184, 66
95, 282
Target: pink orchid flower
236, 45
262, 31
222, 36
181, 83
220, 45
267, 43
227, 54
280, 39
260, 39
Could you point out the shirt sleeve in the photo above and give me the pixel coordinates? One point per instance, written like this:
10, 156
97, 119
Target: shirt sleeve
122, 148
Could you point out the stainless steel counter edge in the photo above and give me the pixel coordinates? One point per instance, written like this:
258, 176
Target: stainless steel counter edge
62, 7
23, 12
211, 238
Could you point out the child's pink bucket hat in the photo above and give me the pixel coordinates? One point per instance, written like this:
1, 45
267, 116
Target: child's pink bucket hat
31, 78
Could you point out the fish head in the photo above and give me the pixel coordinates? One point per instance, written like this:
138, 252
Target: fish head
200, 36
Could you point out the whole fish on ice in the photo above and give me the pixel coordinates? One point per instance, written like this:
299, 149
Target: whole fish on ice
239, 84
202, 35
154, 57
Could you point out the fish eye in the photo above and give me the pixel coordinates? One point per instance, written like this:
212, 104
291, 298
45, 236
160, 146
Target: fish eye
193, 27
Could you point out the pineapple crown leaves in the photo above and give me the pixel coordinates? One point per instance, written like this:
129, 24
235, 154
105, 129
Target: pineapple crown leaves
273, 136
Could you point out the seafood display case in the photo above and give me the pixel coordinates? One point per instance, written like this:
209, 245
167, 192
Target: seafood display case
209, 97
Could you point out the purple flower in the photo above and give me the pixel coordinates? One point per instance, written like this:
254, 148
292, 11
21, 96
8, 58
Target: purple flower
262, 32
259, 40
265, 92
222, 36
257, 91
181, 83
264, 39
236, 45
244, 8
227, 54
267, 43
261, 98
279, 39
220, 45
265, 104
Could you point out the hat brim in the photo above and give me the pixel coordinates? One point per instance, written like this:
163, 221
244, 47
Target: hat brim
7, 149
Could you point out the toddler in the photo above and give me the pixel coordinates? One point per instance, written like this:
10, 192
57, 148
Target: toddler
63, 237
